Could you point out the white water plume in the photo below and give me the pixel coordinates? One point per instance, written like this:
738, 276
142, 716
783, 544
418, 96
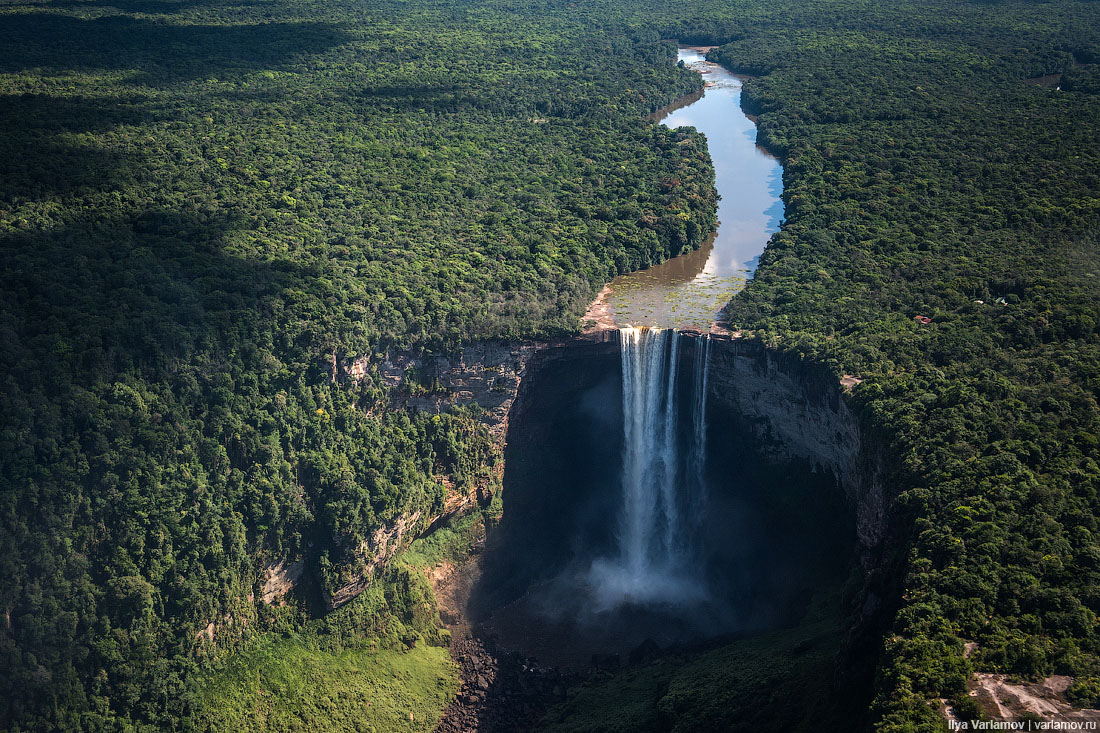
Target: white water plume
699, 417
662, 497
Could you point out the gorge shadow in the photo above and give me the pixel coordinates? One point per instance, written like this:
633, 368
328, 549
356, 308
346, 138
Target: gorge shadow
764, 537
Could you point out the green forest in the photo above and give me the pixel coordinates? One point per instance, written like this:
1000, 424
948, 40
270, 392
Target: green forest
202, 206
205, 204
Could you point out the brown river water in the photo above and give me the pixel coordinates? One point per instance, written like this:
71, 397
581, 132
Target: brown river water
690, 291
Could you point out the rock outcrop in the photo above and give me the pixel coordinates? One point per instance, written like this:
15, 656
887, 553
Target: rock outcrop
280, 577
1004, 699
487, 373
383, 544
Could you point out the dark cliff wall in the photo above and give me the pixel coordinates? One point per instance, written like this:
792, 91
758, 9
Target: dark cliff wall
799, 410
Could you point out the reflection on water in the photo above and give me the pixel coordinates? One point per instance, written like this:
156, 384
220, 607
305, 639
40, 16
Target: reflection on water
690, 290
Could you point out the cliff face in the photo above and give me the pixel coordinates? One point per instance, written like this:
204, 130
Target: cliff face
487, 374
279, 578
383, 544
798, 411
795, 410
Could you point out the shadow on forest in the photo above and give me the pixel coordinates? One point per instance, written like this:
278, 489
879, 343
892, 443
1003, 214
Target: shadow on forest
153, 7
111, 287
31, 114
441, 98
138, 292
38, 158
164, 53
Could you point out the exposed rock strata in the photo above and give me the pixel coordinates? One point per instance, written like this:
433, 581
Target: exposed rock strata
799, 411
486, 373
383, 544
279, 579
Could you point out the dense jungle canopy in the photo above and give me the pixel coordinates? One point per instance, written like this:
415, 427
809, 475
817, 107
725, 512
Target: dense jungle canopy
205, 203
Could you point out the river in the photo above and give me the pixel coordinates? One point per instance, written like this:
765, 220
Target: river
689, 291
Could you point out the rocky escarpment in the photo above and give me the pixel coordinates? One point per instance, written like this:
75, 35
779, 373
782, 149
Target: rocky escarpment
798, 410
485, 373
383, 544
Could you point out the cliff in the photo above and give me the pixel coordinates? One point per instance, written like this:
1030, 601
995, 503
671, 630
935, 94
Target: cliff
488, 374
795, 410
798, 410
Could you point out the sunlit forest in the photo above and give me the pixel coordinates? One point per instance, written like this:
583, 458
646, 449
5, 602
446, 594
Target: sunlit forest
206, 204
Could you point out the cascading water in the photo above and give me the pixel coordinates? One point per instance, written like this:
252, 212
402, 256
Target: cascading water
662, 496
699, 419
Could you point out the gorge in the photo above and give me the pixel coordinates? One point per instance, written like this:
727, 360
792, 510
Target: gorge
669, 484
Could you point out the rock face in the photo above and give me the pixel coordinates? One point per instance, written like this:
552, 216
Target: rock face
798, 411
486, 373
383, 544
280, 579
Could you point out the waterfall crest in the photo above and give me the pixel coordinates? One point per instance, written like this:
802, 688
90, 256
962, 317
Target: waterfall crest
662, 495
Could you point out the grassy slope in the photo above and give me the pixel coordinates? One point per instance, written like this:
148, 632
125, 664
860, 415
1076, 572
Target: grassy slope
285, 684
302, 681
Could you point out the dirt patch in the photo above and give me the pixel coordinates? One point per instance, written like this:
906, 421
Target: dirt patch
1006, 700
600, 315
452, 584
848, 381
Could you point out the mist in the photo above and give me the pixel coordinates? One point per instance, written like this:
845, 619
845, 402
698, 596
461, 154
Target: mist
636, 510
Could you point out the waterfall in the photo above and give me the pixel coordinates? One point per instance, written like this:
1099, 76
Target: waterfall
699, 419
662, 497
649, 413
668, 451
